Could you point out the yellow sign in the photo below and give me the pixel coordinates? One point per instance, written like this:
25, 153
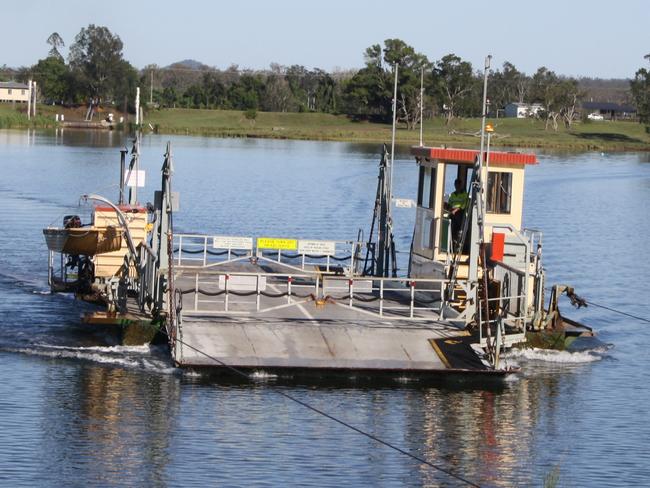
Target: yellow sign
277, 243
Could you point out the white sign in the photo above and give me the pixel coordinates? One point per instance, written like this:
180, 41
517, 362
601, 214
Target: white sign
327, 248
404, 202
243, 282
135, 178
232, 242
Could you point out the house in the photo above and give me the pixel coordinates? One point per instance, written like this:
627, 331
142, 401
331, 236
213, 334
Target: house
522, 110
11, 91
610, 110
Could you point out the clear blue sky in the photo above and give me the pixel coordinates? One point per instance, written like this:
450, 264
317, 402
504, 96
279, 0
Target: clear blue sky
592, 38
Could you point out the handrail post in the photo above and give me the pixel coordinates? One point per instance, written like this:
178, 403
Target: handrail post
412, 285
205, 251
351, 290
227, 277
196, 292
180, 248
289, 280
257, 287
381, 298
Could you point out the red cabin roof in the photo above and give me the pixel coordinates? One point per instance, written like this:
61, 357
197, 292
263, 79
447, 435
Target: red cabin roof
469, 155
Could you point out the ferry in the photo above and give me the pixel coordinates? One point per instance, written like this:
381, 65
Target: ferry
291, 305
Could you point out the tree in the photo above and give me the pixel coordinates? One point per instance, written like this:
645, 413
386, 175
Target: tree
570, 96
277, 96
507, 86
56, 42
368, 92
546, 90
410, 67
96, 60
640, 87
53, 78
453, 79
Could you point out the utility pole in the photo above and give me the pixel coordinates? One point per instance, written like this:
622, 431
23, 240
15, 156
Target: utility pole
137, 106
29, 100
151, 89
34, 104
421, 103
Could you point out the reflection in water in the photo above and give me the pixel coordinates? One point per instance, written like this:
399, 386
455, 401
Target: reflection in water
112, 424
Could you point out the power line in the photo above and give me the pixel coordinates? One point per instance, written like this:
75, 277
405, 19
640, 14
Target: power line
335, 419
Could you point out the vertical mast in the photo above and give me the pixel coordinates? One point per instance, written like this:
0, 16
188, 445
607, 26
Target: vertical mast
392, 145
421, 103
483, 119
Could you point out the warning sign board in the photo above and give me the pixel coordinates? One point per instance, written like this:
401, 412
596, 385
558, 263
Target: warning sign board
327, 248
277, 243
232, 242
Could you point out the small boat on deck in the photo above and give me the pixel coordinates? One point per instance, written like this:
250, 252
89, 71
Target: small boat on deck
85, 241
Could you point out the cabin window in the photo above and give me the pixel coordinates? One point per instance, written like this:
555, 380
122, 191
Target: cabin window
499, 192
425, 187
9, 91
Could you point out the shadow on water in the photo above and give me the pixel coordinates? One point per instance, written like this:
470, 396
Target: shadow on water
346, 379
608, 137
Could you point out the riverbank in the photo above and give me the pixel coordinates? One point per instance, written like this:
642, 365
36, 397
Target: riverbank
583, 136
530, 133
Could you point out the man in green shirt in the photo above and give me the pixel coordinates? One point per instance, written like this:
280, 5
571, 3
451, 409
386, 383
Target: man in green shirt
456, 205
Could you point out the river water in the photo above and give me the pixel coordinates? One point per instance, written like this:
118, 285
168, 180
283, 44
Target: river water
76, 410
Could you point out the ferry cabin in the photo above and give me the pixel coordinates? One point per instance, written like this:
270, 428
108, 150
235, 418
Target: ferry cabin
433, 248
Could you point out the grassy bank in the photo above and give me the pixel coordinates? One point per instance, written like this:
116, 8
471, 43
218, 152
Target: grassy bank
16, 118
596, 135
583, 136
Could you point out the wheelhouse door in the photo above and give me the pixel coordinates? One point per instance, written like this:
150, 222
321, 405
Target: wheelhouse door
423, 239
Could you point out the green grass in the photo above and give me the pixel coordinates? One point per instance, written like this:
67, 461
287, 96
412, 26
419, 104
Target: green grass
583, 136
16, 118
602, 135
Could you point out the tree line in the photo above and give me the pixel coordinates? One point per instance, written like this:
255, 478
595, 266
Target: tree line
451, 87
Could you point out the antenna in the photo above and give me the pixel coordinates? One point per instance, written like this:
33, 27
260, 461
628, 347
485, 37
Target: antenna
421, 103
483, 119
392, 145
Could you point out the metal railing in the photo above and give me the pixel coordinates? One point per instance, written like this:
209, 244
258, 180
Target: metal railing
196, 250
217, 292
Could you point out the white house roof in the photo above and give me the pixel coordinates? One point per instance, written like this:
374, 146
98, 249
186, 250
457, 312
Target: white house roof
14, 85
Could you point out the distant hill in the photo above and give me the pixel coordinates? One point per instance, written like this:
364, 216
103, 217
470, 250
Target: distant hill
189, 64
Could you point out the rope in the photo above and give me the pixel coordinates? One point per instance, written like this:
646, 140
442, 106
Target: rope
201, 291
581, 302
335, 419
310, 256
213, 253
642, 319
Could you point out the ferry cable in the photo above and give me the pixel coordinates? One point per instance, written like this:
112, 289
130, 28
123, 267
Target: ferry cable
331, 417
589, 302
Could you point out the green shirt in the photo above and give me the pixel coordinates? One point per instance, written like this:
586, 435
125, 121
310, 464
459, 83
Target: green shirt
458, 200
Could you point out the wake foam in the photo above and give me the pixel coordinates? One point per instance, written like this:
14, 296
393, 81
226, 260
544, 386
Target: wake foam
560, 357
130, 357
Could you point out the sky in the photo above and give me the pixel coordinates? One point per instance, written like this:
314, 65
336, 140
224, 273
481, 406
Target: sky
606, 39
